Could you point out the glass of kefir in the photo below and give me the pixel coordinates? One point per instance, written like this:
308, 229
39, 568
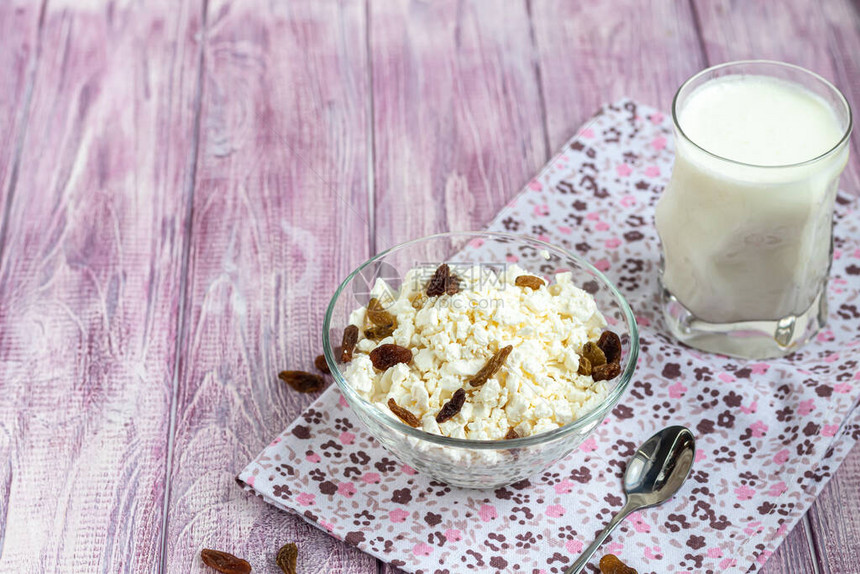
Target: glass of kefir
746, 219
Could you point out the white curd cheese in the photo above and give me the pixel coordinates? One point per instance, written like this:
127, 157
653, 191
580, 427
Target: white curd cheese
453, 336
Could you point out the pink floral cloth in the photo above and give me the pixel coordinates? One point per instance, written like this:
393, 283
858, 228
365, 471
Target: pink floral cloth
769, 434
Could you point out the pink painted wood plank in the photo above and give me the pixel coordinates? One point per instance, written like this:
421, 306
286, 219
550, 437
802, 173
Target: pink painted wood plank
834, 520
457, 114
280, 133
19, 32
89, 285
795, 555
843, 42
280, 217
594, 53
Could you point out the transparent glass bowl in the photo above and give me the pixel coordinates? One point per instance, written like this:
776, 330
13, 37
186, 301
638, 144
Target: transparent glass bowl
477, 463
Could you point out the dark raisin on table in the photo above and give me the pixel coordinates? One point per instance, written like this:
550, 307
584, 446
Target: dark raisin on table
301, 381
224, 562
286, 558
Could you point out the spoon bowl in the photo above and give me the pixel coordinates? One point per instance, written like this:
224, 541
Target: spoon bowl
660, 466
653, 475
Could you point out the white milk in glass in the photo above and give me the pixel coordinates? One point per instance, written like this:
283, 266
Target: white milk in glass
746, 218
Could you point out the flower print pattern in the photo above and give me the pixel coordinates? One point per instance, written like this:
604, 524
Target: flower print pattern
769, 434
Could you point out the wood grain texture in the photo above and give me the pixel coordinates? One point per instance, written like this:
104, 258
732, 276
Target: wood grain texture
328, 129
594, 53
458, 126
89, 287
795, 554
843, 40
280, 217
19, 39
834, 520
19, 36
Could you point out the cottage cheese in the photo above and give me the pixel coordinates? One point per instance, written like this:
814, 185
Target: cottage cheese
453, 336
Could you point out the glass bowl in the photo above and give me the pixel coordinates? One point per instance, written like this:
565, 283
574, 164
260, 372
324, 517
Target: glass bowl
477, 463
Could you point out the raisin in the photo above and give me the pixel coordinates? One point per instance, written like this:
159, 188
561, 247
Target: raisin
224, 563
321, 365
443, 281
350, 338
386, 356
606, 371
301, 381
512, 433
377, 333
403, 414
286, 558
453, 285
529, 281
377, 314
491, 368
383, 321
610, 564
452, 407
610, 344
584, 367
594, 354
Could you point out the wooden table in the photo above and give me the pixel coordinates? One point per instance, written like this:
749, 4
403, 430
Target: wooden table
183, 184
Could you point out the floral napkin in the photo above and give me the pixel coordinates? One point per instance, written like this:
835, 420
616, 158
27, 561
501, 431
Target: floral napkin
769, 433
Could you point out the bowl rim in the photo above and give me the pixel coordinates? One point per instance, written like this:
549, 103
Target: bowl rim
590, 417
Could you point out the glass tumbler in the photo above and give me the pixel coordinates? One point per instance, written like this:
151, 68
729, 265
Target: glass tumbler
747, 241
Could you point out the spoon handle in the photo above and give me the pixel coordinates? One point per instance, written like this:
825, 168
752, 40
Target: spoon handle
589, 552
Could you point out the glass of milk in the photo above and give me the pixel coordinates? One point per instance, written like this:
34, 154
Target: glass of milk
746, 219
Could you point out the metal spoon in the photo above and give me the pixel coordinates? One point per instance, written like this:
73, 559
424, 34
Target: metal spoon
653, 476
